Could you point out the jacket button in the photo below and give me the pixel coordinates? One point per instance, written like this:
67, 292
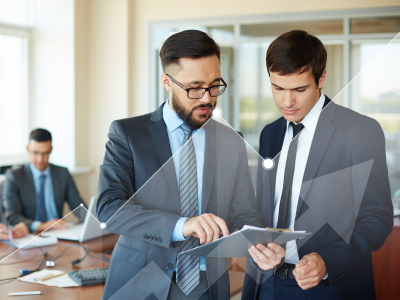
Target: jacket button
150, 237
159, 240
145, 236
170, 266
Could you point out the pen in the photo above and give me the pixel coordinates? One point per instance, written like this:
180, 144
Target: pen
50, 277
44, 277
25, 293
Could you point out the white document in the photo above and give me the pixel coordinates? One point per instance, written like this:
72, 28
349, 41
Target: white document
59, 281
30, 241
238, 243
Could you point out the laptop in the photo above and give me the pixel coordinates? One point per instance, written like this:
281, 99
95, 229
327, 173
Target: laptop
90, 228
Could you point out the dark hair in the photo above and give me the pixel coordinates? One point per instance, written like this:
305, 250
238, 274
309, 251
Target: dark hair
297, 51
40, 135
188, 43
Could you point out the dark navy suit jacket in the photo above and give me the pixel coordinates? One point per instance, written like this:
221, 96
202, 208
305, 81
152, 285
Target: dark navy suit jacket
344, 201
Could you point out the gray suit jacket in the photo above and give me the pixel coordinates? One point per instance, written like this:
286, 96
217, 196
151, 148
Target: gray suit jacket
138, 161
344, 201
19, 196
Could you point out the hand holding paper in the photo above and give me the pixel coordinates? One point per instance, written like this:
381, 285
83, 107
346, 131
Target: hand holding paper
267, 257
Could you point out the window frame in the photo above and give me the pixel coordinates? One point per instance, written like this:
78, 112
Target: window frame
345, 39
25, 32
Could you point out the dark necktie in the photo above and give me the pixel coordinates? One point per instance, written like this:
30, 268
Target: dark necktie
284, 207
40, 206
188, 267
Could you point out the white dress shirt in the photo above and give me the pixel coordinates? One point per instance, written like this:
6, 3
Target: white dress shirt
303, 149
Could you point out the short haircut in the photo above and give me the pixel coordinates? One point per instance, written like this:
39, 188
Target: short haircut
297, 51
40, 135
188, 43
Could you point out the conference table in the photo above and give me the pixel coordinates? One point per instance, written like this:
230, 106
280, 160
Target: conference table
63, 263
386, 263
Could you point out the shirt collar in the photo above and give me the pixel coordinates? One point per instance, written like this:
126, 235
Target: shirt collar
36, 173
311, 119
171, 119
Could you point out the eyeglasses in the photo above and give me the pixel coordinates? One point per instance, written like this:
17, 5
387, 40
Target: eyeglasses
197, 93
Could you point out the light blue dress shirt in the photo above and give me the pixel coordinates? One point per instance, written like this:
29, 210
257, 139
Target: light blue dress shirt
49, 202
176, 135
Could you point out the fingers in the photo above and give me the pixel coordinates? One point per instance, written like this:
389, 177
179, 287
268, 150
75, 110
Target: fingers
20, 230
3, 228
304, 266
266, 258
198, 230
211, 222
308, 282
277, 249
57, 224
221, 223
209, 232
207, 227
4, 236
309, 271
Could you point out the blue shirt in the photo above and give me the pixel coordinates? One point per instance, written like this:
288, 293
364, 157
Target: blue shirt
176, 135
49, 202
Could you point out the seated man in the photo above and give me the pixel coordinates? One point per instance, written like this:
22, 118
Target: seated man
35, 193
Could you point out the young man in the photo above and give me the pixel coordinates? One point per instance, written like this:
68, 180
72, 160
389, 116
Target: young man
35, 193
329, 178
183, 197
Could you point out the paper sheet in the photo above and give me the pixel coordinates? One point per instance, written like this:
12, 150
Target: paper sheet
30, 241
60, 281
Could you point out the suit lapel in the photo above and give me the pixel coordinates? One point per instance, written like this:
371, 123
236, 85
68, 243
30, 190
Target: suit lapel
30, 187
322, 136
274, 147
159, 136
58, 197
211, 152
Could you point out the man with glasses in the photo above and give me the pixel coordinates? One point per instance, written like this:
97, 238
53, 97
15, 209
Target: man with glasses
34, 194
189, 178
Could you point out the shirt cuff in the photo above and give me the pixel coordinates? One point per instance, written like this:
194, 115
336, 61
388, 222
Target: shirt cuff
35, 225
177, 234
326, 276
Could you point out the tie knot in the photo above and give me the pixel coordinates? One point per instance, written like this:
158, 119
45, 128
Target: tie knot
187, 129
296, 128
42, 177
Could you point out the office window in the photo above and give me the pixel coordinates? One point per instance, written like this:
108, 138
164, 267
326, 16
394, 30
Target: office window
351, 39
379, 96
14, 117
276, 29
15, 11
375, 25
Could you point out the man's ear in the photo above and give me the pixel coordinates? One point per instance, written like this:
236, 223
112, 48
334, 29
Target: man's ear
322, 80
166, 82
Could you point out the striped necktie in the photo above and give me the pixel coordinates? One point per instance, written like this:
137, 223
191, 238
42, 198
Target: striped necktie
188, 267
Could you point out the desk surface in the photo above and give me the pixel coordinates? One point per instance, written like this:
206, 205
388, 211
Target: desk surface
63, 263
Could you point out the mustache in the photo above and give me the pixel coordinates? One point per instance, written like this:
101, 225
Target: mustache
208, 105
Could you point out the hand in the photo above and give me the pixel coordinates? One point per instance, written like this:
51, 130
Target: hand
20, 230
55, 224
309, 271
267, 257
207, 227
3, 232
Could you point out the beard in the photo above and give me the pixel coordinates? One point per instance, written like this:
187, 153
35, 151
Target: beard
187, 115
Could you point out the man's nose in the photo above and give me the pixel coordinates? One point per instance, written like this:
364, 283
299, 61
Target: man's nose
206, 98
288, 99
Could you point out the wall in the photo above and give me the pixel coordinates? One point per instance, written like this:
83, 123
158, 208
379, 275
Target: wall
117, 57
52, 90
